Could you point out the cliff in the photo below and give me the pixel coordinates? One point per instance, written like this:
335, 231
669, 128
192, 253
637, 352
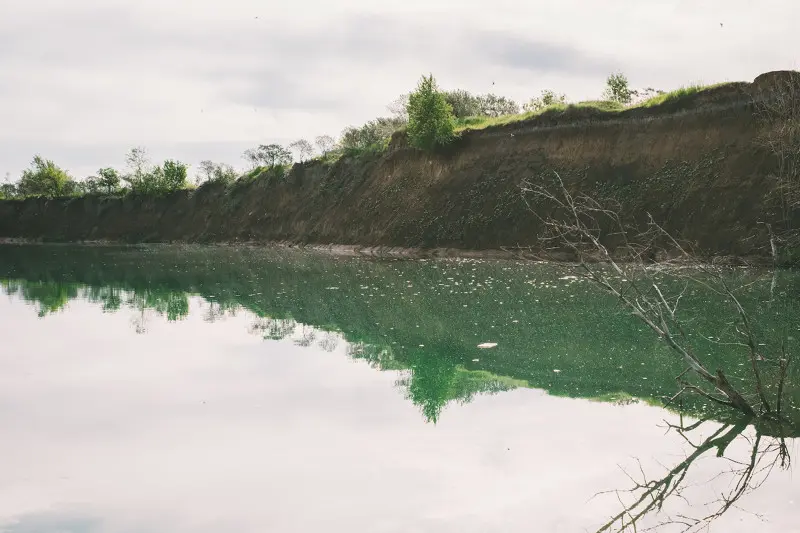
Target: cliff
697, 164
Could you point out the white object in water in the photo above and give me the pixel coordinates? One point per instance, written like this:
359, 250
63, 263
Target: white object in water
556, 370
487, 345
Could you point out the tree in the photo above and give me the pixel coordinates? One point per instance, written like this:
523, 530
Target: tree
173, 175
464, 103
44, 178
274, 155
617, 88
108, 180
430, 117
583, 226
325, 143
544, 101
304, 148
492, 105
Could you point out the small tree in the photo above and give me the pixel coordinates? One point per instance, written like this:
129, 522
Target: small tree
325, 143
544, 101
304, 148
274, 155
617, 88
430, 117
173, 176
45, 178
108, 180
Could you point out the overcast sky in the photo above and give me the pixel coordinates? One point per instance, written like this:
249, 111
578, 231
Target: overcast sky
82, 81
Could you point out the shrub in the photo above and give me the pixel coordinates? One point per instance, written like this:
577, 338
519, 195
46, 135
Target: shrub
617, 88
45, 178
373, 134
430, 117
146, 178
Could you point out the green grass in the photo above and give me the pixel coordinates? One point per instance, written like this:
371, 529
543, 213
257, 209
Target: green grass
478, 123
677, 94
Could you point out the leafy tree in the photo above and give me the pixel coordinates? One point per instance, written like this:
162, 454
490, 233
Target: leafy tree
430, 117
492, 105
617, 88
464, 103
325, 143
304, 148
45, 178
108, 180
173, 175
544, 101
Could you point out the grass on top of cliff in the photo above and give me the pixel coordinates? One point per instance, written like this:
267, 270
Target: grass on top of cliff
678, 94
565, 110
581, 109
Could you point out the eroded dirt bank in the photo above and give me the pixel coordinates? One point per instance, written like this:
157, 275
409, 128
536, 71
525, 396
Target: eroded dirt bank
697, 165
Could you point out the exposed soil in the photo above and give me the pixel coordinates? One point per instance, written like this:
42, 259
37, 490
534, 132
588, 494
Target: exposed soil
695, 164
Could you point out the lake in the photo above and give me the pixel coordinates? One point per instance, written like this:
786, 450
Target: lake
200, 389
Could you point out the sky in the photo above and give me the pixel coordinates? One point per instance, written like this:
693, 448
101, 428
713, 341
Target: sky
82, 82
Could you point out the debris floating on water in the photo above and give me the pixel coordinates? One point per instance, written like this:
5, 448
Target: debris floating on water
487, 345
475, 360
556, 370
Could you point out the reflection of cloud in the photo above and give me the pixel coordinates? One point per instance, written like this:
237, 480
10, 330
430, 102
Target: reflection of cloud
54, 522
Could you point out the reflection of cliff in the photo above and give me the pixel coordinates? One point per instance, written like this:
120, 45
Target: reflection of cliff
424, 317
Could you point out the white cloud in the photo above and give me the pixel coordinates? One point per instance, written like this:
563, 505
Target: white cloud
92, 78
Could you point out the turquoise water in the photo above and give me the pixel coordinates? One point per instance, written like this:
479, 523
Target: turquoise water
218, 389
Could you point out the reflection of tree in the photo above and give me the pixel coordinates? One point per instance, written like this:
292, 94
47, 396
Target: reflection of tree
51, 297
275, 329
743, 474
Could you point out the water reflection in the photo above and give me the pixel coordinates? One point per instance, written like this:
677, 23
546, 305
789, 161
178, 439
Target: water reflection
421, 324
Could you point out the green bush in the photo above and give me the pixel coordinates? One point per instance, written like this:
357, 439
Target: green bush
145, 178
617, 88
220, 173
430, 117
45, 178
372, 135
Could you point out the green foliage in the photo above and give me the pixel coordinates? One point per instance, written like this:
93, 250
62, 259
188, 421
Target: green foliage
372, 135
617, 88
566, 110
145, 178
547, 99
46, 179
108, 180
650, 97
430, 117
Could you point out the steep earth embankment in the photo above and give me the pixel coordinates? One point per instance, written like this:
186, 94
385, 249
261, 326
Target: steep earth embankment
696, 164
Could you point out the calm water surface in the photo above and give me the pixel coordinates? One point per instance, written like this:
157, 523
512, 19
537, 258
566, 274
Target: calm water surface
212, 389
